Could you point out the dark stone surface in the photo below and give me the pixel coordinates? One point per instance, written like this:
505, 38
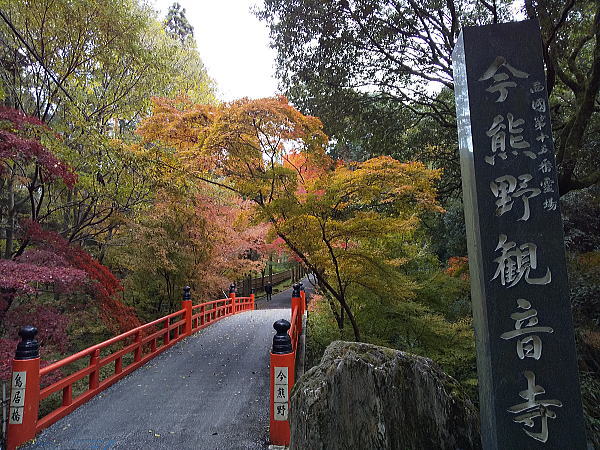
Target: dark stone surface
486, 106
362, 396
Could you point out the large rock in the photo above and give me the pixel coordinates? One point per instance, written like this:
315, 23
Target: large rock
362, 396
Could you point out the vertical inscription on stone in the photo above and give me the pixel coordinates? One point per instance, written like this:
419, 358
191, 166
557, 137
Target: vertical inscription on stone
527, 369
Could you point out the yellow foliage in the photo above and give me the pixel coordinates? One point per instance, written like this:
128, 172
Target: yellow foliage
347, 222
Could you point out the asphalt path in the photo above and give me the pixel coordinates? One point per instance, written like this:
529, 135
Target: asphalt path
209, 391
282, 299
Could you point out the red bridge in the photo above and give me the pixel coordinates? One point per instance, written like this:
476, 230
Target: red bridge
235, 351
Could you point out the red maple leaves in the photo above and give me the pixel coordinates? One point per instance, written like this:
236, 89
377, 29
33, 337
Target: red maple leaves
102, 284
14, 147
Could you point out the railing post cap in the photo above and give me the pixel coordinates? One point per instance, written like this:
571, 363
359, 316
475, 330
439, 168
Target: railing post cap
296, 291
282, 342
301, 286
232, 288
28, 348
186, 293
282, 326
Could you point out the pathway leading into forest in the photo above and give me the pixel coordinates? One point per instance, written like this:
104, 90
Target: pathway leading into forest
209, 391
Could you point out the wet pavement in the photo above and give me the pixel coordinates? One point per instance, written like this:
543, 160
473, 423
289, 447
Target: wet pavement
209, 391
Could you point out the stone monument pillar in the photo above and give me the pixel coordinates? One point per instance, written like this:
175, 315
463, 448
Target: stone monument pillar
526, 362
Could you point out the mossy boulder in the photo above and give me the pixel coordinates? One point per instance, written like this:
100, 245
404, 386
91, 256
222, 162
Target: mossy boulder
363, 396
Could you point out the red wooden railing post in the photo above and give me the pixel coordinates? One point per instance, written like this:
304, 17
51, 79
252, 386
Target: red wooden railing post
303, 296
167, 338
67, 397
186, 304
232, 290
137, 354
282, 381
25, 390
94, 382
252, 307
297, 305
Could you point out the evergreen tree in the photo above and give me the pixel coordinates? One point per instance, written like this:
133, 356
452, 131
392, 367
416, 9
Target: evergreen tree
177, 26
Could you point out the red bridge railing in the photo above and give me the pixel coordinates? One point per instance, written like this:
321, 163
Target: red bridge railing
283, 367
125, 353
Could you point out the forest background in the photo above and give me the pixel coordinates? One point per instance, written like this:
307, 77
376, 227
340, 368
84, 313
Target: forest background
123, 177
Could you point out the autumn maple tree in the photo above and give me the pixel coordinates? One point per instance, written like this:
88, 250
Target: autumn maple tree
27, 167
344, 221
44, 260
202, 239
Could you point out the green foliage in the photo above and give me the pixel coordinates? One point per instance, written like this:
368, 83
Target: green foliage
447, 232
584, 284
366, 125
590, 392
322, 330
581, 219
379, 74
405, 325
110, 58
432, 318
86, 328
280, 266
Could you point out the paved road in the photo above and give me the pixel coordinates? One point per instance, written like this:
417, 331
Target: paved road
282, 299
210, 391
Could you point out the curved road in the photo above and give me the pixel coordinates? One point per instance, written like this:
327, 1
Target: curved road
210, 391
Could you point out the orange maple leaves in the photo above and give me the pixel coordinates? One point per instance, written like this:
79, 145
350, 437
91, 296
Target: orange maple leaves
240, 135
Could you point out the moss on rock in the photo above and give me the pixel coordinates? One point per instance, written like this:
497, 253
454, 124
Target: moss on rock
366, 396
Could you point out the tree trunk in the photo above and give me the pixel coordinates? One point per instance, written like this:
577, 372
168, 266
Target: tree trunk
271, 269
67, 211
10, 217
104, 246
323, 283
355, 328
336, 315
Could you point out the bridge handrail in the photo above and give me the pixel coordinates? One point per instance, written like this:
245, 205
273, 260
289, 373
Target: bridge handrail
143, 341
220, 308
293, 331
86, 352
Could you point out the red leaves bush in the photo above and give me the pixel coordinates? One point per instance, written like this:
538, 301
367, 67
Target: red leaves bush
50, 322
52, 336
18, 148
7, 352
458, 266
103, 285
24, 278
68, 268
